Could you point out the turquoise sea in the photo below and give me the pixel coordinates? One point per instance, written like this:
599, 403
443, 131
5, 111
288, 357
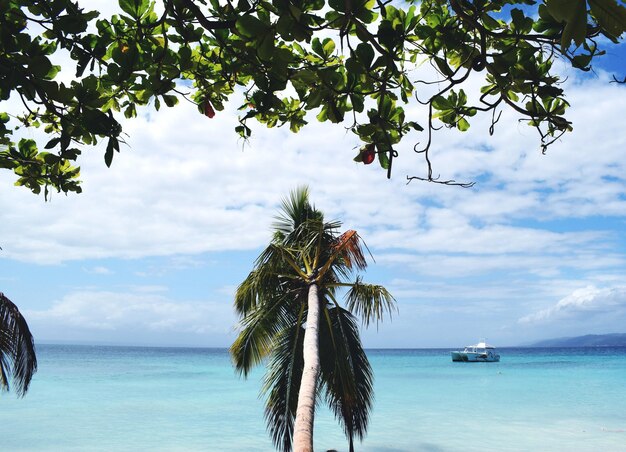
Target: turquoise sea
97, 398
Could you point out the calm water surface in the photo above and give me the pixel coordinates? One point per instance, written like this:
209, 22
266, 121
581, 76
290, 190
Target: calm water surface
95, 398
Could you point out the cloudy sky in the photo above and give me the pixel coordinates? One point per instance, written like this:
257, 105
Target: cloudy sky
152, 250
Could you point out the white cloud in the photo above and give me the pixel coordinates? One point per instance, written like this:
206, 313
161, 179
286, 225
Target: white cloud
99, 270
171, 264
546, 264
138, 311
583, 302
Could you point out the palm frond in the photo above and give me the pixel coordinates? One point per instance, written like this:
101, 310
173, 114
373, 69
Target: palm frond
17, 348
350, 245
295, 210
300, 225
335, 274
282, 384
285, 259
370, 301
345, 253
272, 259
283, 256
275, 269
258, 332
252, 291
324, 236
345, 372
4, 377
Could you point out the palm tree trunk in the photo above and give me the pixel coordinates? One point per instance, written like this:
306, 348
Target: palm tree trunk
303, 428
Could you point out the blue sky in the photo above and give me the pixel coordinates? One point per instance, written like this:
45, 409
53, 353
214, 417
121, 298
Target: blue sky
153, 249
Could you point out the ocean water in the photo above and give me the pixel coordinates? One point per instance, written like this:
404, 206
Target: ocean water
96, 398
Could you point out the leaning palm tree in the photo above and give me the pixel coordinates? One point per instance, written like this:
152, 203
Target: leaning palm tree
17, 348
290, 315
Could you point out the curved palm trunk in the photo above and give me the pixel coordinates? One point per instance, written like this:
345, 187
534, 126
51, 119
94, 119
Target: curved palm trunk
303, 428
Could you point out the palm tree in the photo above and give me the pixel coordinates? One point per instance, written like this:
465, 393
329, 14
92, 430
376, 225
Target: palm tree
290, 315
17, 348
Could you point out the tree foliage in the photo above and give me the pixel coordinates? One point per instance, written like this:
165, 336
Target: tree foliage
341, 61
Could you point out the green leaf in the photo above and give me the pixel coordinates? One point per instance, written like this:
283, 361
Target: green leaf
72, 23
265, 49
328, 47
489, 22
317, 47
365, 54
463, 125
610, 15
442, 64
364, 11
97, 122
357, 102
27, 149
517, 16
512, 95
462, 100
135, 8
112, 145
184, 53
54, 70
130, 111
50, 159
170, 100
40, 66
414, 126
581, 61
441, 103
250, 26
52, 143
383, 160
359, 157
574, 14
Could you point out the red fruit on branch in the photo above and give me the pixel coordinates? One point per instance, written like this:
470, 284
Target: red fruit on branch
368, 154
208, 109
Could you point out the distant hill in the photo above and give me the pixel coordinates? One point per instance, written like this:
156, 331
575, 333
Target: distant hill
590, 340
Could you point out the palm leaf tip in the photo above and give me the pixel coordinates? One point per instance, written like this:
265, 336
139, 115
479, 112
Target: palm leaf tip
17, 348
370, 301
295, 209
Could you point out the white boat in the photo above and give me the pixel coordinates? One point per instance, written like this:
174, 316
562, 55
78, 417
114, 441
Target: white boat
481, 352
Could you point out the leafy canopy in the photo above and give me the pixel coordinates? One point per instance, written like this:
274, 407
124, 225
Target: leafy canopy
290, 60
